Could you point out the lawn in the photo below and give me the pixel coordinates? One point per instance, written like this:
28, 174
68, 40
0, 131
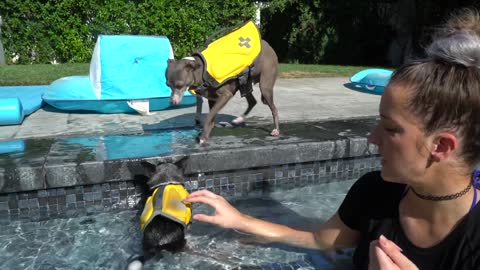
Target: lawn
317, 71
45, 73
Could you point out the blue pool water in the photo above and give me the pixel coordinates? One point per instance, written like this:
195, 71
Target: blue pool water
107, 240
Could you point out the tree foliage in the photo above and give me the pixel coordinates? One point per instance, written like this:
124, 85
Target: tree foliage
39, 31
374, 32
352, 31
325, 31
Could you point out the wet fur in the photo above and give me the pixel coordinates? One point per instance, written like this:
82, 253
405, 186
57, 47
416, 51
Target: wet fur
162, 234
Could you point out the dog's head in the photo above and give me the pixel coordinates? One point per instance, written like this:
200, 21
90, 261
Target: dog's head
163, 173
180, 77
165, 216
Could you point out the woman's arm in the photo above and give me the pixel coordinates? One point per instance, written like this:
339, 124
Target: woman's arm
332, 234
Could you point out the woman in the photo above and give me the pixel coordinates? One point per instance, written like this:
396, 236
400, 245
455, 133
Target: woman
420, 211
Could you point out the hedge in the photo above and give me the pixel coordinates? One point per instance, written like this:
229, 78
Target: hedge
43, 31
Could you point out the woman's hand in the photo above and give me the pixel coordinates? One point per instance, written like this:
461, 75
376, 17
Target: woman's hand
225, 214
386, 255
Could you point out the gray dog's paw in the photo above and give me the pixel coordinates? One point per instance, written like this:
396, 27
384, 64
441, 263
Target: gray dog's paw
223, 124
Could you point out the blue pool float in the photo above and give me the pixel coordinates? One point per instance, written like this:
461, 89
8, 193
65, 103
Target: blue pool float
75, 93
124, 70
12, 146
370, 81
16, 102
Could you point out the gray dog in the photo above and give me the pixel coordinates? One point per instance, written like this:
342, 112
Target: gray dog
161, 232
188, 74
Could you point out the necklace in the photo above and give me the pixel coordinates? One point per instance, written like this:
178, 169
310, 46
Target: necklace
444, 197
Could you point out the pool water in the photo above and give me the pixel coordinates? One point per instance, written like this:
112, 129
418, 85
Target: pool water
107, 240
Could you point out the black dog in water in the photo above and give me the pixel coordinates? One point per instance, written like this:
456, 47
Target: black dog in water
165, 216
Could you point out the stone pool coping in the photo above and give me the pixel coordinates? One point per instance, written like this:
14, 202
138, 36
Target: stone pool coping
72, 176
49, 163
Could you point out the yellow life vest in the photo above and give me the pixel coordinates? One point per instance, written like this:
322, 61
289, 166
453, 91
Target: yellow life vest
167, 201
230, 55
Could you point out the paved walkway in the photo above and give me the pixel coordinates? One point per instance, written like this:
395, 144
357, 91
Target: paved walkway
296, 100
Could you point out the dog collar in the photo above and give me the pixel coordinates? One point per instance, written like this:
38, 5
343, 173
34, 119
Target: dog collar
192, 91
167, 201
198, 90
191, 58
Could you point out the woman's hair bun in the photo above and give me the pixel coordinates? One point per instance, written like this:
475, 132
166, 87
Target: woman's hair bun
460, 48
458, 40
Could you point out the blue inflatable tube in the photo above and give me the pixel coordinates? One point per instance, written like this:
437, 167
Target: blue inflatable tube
11, 111
12, 146
16, 102
370, 81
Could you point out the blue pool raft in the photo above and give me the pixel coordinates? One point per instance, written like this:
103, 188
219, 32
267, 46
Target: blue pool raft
127, 74
370, 81
74, 93
16, 102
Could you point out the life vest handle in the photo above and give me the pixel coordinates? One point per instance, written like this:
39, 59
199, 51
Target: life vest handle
221, 31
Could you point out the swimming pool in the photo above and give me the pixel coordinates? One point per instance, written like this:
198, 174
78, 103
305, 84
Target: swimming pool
107, 240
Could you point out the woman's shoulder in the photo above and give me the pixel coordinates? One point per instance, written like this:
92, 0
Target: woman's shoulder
373, 182
473, 221
372, 190
370, 197
468, 246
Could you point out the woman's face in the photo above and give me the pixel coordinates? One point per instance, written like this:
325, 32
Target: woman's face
401, 143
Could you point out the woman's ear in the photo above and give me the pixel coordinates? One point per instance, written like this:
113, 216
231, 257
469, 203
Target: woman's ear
444, 146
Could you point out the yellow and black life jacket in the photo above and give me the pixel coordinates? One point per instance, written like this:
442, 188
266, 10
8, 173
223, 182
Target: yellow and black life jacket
230, 56
167, 201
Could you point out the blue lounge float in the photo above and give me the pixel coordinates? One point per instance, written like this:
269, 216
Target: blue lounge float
370, 81
127, 74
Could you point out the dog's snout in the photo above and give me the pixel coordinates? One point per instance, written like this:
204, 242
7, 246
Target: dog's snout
176, 98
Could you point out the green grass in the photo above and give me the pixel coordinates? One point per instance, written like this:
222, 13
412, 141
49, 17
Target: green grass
316, 71
45, 74
39, 74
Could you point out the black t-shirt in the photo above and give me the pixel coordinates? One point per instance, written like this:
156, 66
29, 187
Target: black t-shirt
371, 207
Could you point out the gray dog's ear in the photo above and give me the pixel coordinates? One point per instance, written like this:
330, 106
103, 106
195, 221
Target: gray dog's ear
166, 172
171, 61
148, 168
192, 65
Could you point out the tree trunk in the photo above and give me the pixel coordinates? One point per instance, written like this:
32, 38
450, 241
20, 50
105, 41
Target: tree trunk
2, 51
403, 20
